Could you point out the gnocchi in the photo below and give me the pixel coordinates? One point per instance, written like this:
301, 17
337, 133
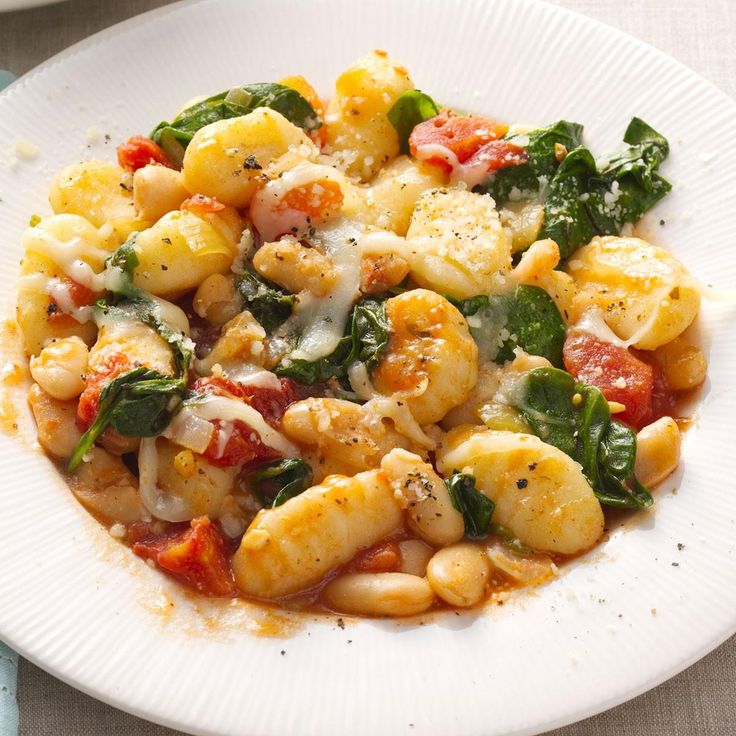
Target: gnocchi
366, 355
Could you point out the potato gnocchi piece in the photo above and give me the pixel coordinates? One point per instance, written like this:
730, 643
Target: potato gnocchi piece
456, 244
296, 267
179, 252
430, 513
431, 359
188, 476
56, 249
227, 159
540, 493
293, 546
102, 193
646, 294
104, 486
390, 199
340, 436
359, 133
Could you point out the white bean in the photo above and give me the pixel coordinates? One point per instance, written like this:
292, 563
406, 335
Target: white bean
379, 594
459, 574
415, 555
56, 423
657, 451
60, 367
157, 190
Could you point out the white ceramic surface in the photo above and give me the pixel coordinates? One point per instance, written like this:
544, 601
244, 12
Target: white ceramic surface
612, 626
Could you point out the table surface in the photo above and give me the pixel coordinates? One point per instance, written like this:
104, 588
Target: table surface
700, 701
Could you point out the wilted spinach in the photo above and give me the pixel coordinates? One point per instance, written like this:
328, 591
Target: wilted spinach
412, 108
475, 506
366, 338
529, 316
142, 401
277, 482
576, 419
135, 404
541, 165
174, 137
268, 303
583, 201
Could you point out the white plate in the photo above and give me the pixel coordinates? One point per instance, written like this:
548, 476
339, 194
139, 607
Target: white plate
84, 609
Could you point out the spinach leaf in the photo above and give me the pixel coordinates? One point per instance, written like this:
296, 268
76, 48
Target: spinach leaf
475, 506
566, 213
136, 404
367, 337
529, 316
584, 201
528, 179
269, 304
277, 482
174, 137
412, 108
576, 419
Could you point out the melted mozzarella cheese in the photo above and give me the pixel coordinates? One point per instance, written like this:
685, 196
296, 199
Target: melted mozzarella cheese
162, 505
470, 174
230, 410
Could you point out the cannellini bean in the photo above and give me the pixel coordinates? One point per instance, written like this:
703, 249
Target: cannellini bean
296, 267
106, 487
216, 299
415, 555
56, 423
540, 492
683, 364
60, 367
430, 512
379, 594
657, 451
293, 546
459, 574
156, 191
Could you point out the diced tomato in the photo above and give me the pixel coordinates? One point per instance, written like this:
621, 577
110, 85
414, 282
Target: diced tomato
244, 445
140, 151
196, 556
385, 557
80, 295
619, 374
663, 399
106, 370
317, 199
201, 204
470, 138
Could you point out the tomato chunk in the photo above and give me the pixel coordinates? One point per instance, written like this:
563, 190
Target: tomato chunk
385, 557
140, 151
619, 374
470, 138
196, 556
201, 204
111, 366
235, 442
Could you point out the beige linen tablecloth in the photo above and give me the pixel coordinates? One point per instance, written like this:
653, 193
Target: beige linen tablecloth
700, 701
